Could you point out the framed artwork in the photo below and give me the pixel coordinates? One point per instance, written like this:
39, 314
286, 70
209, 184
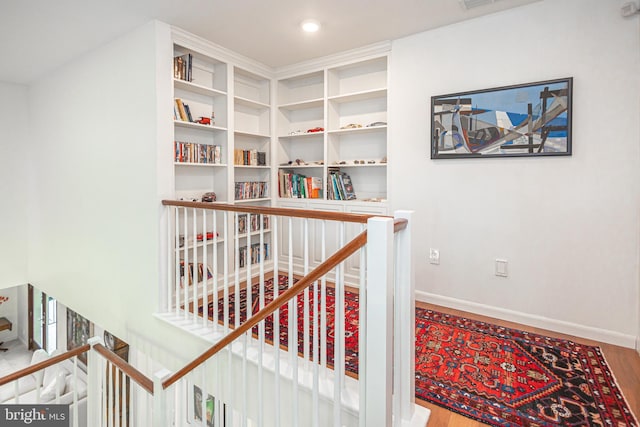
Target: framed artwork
532, 119
213, 414
79, 330
209, 409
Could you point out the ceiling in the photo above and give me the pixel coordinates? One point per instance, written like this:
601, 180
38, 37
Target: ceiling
37, 36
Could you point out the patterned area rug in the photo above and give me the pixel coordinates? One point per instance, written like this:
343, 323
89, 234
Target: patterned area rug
496, 375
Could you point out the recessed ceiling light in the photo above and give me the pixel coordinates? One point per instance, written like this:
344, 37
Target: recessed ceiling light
310, 25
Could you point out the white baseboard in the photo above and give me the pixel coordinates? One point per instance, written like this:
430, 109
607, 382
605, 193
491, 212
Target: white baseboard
569, 328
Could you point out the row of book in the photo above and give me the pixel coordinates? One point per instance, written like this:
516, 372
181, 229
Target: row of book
249, 157
182, 67
293, 185
251, 190
253, 223
191, 273
190, 152
253, 254
339, 186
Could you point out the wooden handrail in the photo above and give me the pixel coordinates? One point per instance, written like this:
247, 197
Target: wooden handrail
266, 210
137, 376
399, 224
345, 252
44, 364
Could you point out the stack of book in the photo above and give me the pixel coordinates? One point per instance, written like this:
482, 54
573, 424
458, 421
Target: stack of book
339, 185
293, 185
189, 152
249, 157
251, 190
182, 67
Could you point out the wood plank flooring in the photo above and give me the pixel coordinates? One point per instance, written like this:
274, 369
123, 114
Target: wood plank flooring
624, 363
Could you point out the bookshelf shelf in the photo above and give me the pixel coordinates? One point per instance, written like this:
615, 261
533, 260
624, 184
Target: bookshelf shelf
191, 125
263, 199
245, 102
251, 134
205, 165
363, 129
359, 96
251, 167
196, 88
294, 106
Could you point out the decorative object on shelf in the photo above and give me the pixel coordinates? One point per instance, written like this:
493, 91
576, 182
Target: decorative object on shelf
352, 126
374, 124
204, 121
3, 299
532, 119
209, 197
79, 330
316, 129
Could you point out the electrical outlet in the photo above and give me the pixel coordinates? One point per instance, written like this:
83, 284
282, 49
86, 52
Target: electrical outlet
434, 256
501, 267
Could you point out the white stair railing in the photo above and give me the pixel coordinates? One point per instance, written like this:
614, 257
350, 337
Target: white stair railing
254, 378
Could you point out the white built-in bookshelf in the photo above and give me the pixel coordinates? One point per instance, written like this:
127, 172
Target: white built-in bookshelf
349, 103
250, 131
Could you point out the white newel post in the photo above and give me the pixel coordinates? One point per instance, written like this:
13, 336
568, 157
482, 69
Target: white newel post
94, 384
160, 417
405, 313
379, 345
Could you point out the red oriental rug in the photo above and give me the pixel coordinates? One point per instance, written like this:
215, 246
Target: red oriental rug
496, 375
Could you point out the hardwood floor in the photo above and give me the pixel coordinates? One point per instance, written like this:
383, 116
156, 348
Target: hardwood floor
624, 363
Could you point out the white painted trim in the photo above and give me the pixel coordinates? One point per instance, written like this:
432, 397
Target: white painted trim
560, 326
638, 344
336, 60
204, 46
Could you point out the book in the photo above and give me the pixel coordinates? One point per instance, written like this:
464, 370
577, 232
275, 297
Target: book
349, 193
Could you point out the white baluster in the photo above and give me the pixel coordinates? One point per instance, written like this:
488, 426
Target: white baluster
276, 317
176, 257
362, 331
185, 279
205, 273
293, 331
196, 275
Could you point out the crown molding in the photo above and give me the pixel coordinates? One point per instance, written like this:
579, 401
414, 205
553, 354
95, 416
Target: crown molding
206, 47
335, 60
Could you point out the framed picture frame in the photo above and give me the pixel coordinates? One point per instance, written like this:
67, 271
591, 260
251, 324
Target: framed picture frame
204, 413
79, 330
531, 119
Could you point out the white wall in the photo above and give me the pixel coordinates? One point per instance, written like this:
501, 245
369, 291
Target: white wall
94, 201
13, 184
568, 226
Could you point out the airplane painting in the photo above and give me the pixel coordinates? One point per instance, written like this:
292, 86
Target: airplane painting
524, 120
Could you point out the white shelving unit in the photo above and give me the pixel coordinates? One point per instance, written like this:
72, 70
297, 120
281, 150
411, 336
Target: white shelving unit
206, 96
252, 130
349, 102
